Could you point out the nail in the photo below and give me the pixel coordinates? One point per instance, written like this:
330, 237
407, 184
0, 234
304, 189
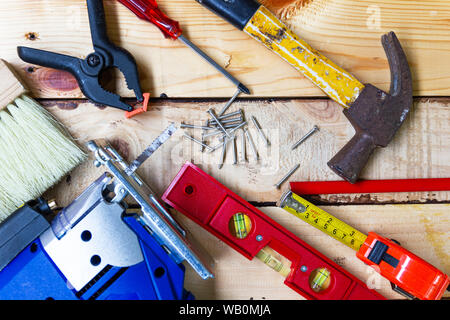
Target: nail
309, 134
287, 176
191, 126
238, 127
224, 121
234, 150
231, 114
197, 141
224, 147
211, 112
219, 145
243, 145
261, 133
203, 137
252, 145
211, 134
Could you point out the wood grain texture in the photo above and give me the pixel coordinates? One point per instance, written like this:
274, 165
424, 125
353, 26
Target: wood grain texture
422, 229
348, 32
420, 149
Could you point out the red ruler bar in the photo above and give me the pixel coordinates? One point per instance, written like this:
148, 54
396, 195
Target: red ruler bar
210, 204
370, 186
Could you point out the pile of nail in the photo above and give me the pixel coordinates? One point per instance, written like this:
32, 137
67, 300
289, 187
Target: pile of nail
226, 127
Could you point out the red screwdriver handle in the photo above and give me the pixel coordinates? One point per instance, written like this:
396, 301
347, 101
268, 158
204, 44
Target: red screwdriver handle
148, 10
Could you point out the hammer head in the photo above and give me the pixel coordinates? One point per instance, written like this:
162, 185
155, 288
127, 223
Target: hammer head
376, 115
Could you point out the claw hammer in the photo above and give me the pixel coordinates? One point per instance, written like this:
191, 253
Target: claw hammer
375, 115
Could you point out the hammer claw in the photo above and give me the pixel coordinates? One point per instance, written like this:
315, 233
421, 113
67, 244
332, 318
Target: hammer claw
401, 79
376, 115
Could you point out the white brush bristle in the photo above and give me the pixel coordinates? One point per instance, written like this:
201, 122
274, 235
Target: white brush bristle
36, 151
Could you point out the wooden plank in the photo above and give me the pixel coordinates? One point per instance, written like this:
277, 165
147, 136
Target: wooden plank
420, 150
347, 31
422, 229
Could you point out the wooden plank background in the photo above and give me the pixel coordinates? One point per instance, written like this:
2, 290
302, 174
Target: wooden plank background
347, 31
286, 105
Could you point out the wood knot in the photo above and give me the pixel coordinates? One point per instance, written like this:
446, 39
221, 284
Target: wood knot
32, 36
47, 79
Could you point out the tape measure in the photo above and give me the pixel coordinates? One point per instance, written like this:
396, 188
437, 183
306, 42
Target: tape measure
409, 274
322, 220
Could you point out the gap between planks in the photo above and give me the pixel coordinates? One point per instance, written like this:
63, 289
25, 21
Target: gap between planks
420, 149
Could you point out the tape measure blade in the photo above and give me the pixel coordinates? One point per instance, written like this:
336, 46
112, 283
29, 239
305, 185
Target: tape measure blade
322, 220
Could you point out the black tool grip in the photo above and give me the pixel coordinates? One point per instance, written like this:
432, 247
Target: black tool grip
49, 59
97, 23
236, 12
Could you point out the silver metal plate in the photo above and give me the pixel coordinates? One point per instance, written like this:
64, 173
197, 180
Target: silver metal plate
111, 240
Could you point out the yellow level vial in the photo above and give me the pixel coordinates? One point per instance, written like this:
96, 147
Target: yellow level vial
322, 220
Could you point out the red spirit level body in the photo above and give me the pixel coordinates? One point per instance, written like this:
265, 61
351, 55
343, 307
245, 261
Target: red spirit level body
214, 207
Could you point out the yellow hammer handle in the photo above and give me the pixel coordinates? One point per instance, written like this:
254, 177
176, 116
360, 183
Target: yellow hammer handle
338, 84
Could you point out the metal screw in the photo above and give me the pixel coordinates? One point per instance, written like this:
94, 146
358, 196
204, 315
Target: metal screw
261, 133
93, 60
303, 268
259, 237
309, 134
287, 176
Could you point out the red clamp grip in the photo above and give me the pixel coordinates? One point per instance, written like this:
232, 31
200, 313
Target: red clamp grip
143, 109
210, 204
148, 10
407, 271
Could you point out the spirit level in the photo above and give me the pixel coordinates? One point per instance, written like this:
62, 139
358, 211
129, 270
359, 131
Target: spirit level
409, 274
250, 232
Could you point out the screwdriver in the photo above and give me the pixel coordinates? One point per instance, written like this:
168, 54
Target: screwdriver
148, 10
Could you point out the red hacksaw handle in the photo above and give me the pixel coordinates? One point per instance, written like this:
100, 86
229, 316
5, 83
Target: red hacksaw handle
210, 204
370, 186
148, 10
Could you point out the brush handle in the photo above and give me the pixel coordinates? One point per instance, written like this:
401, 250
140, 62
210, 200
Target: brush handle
10, 86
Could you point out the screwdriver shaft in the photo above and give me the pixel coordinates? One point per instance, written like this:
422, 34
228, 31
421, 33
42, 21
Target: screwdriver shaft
240, 86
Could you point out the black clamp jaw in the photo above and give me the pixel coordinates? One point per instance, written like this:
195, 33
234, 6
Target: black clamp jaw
87, 71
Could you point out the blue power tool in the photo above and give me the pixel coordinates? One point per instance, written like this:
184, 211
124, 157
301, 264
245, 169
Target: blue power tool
98, 247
